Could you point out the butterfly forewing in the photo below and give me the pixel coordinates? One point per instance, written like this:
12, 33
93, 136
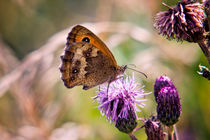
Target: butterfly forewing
80, 33
87, 61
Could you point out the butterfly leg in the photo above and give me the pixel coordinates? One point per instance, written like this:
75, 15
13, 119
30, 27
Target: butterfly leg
121, 77
99, 88
107, 91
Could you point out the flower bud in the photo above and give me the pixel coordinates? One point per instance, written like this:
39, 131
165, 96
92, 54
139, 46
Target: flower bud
161, 82
153, 130
169, 107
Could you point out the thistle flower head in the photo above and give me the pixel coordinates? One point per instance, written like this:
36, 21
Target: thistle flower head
168, 106
184, 21
161, 82
120, 104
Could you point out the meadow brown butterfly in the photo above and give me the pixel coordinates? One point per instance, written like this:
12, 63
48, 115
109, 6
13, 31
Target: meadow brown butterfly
87, 61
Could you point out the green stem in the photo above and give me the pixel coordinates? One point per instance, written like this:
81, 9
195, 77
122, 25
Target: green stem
131, 135
136, 129
175, 135
170, 133
205, 50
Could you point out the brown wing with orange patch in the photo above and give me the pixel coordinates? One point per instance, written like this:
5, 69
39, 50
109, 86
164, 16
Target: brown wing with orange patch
80, 33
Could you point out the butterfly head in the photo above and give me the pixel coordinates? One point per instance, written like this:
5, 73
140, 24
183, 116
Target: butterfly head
122, 69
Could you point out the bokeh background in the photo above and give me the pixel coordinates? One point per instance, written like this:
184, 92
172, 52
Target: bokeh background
34, 103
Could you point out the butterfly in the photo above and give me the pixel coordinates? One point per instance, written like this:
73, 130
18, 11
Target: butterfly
87, 61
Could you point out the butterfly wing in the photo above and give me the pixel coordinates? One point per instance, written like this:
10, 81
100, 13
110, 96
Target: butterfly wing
80, 33
85, 64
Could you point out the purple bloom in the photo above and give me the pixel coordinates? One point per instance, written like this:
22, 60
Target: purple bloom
161, 82
121, 102
169, 107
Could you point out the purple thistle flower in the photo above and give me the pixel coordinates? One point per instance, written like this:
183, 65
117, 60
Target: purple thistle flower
168, 106
184, 21
121, 102
161, 82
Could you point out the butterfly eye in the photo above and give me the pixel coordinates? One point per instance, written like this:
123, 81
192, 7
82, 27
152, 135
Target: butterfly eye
86, 39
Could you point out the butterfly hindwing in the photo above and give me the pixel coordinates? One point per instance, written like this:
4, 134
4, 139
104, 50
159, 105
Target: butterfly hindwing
84, 64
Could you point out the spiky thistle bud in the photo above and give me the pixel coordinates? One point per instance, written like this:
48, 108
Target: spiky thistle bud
154, 130
184, 21
168, 106
161, 82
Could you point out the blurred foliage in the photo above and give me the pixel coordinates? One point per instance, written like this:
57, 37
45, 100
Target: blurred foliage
38, 106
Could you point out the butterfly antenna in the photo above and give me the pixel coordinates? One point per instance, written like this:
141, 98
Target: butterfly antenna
138, 71
132, 65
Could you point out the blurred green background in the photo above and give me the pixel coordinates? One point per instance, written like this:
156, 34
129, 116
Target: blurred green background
34, 103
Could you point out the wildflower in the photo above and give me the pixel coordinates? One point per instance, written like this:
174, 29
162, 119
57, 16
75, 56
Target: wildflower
161, 82
168, 106
204, 71
184, 21
154, 130
120, 104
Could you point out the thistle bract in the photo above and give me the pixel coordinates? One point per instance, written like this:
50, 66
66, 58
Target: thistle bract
127, 125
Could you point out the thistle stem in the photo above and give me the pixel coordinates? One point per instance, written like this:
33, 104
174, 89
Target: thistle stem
175, 135
136, 129
205, 50
208, 18
167, 5
170, 133
208, 40
131, 135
